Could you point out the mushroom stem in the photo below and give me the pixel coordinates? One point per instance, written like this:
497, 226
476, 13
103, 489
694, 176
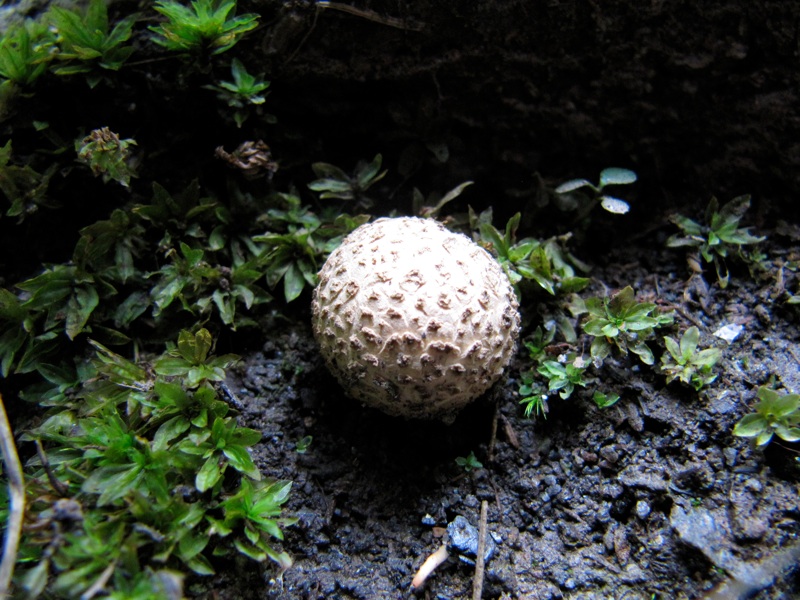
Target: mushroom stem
430, 564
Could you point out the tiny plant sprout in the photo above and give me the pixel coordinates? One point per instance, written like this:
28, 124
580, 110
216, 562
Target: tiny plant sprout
603, 400
718, 238
333, 182
205, 26
608, 177
623, 323
243, 93
107, 155
685, 362
469, 463
775, 414
303, 444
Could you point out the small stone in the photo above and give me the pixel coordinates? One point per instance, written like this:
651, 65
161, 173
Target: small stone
729, 332
641, 477
642, 509
611, 490
754, 485
464, 540
610, 453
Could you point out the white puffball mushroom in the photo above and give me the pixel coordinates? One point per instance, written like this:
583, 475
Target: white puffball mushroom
413, 319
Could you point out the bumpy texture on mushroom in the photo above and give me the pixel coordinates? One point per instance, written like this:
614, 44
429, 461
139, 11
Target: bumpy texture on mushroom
413, 319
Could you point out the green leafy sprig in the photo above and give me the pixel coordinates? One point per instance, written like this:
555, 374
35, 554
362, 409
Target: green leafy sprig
775, 414
204, 25
298, 243
85, 41
608, 177
719, 237
469, 463
623, 323
24, 187
683, 361
26, 49
241, 94
333, 182
547, 262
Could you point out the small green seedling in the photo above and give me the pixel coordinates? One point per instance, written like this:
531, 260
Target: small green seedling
538, 342
254, 511
202, 287
207, 25
299, 242
191, 359
26, 48
546, 262
243, 92
303, 444
719, 237
333, 182
60, 300
603, 400
469, 463
534, 397
775, 414
685, 362
608, 177
107, 155
623, 323
85, 41
23, 186
563, 377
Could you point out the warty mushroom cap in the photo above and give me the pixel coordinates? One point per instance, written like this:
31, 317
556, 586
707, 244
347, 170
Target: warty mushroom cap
413, 319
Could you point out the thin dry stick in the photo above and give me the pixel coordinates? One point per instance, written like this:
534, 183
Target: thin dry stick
59, 487
372, 16
16, 492
99, 585
493, 438
480, 563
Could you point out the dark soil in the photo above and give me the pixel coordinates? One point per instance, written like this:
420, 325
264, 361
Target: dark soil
651, 498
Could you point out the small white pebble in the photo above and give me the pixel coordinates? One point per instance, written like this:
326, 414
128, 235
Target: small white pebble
729, 332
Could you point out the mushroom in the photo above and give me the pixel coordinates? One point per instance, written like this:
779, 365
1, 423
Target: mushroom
413, 319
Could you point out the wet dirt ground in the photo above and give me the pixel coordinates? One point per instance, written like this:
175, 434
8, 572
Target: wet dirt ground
652, 498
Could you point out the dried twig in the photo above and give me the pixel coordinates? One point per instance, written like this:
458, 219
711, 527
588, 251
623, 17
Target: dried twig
99, 585
59, 487
371, 15
16, 489
480, 563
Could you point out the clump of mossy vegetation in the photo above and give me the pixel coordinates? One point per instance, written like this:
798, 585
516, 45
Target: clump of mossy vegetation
136, 470
133, 460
